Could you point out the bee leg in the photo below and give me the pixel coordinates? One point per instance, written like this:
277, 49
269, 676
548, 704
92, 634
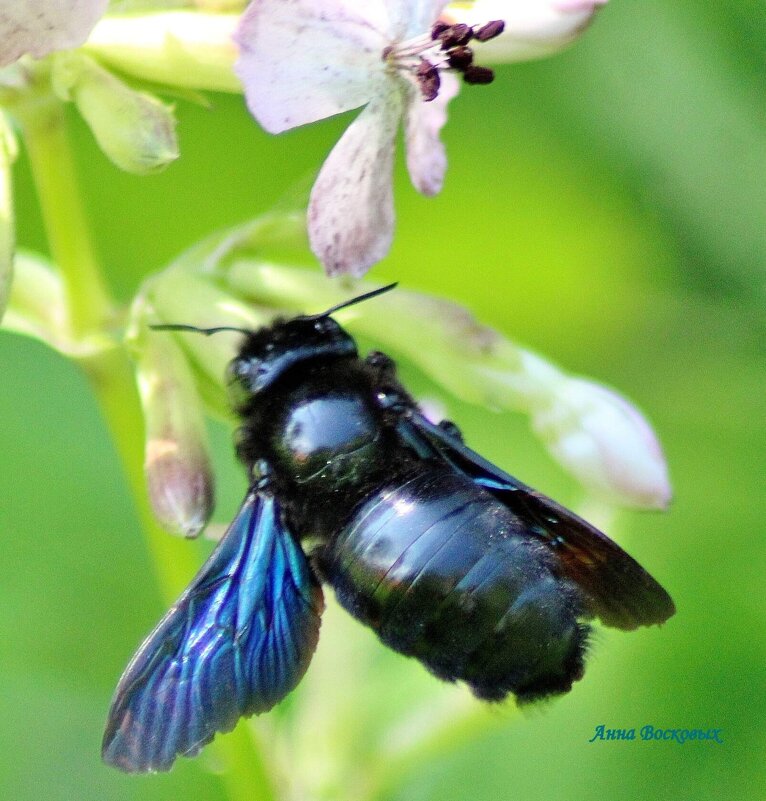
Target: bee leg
259, 470
318, 560
241, 447
383, 365
451, 430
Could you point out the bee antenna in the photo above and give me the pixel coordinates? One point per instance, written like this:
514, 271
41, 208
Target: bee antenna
210, 331
193, 328
346, 303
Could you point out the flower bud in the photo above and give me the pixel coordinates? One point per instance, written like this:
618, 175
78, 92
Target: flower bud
221, 5
37, 304
39, 27
191, 49
133, 129
592, 432
178, 471
8, 152
181, 297
606, 442
469, 359
38, 308
533, 28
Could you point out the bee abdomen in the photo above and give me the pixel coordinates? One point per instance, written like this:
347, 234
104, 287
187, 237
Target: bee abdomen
445, 573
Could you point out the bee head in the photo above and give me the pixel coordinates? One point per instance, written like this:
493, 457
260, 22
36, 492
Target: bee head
270, 352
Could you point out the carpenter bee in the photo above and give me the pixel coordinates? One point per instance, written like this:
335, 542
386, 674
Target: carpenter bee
445, 556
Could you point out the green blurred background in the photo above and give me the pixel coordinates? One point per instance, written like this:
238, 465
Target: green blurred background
605, 208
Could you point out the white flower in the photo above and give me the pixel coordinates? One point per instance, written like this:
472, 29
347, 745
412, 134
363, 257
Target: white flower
604, 440
304, 60
533, 28
38, 27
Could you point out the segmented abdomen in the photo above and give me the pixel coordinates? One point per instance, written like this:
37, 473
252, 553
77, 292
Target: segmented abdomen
445, 573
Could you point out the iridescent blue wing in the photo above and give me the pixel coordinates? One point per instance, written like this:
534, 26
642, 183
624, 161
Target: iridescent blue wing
236, 642
622, 594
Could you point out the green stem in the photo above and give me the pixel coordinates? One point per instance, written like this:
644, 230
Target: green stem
111, 378
53, 169
110, 374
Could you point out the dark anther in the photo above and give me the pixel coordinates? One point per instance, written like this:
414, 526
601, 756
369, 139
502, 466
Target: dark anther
438, 29
490, 30
456, 36
429, 80
460, 57
478, 75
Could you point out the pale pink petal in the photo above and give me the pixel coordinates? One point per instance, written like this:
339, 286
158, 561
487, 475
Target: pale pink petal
607, 443
426, 156
351, 210
533, 28
304, 60
39, 27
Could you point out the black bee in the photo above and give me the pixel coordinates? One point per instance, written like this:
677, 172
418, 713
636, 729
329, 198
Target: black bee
448, 558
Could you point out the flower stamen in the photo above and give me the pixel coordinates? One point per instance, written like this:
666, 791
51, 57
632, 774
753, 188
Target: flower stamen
422, 58
429, 80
